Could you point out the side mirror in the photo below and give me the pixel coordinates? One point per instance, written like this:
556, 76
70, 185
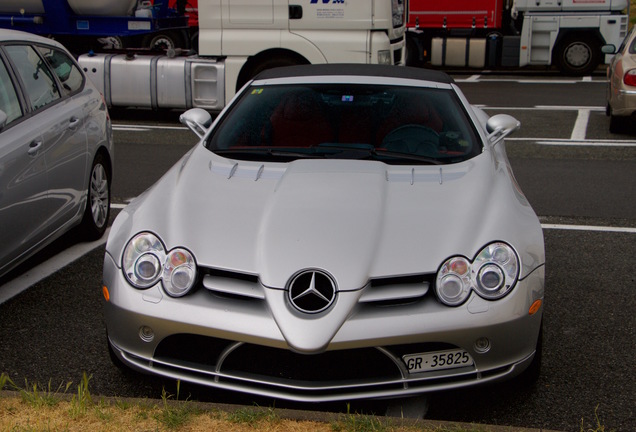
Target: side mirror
198, 120
3, 119
608, 49
500, 126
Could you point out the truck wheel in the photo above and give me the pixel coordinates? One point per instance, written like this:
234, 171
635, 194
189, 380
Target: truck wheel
262, 64
163, 41
578, 55
95, 219
112, 42
412, 54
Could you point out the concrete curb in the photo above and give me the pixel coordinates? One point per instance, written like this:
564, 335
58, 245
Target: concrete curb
304, 415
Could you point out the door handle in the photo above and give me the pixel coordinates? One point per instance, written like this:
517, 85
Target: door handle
295, 12
34, 147
73, 122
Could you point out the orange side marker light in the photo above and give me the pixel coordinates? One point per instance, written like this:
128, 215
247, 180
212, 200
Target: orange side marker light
535, 307
106, 293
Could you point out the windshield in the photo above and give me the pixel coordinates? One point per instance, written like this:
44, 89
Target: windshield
397, 125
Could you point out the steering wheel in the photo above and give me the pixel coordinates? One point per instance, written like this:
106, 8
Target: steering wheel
412, 139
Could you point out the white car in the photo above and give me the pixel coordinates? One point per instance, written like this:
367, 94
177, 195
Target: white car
621, 89
340, 232
56, 148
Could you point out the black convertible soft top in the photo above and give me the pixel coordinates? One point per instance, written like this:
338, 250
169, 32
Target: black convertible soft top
356, 70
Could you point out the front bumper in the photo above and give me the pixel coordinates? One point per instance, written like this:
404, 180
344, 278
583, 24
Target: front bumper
235, 344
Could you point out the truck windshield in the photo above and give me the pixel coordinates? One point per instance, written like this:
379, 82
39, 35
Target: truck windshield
397, 125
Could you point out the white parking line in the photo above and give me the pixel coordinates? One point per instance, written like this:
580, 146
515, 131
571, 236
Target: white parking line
576, 142
70, 255
580, 126
487, 79
36, 274
626, 230
144, 128
542, 108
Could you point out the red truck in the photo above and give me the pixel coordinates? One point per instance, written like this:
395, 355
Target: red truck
514, 33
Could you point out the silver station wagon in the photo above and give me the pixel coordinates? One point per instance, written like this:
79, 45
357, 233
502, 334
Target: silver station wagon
340, 232
56, 148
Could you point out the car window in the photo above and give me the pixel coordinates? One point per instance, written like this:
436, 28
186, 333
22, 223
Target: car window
389, 123
39, 84
65, 69
627, 40
9, 102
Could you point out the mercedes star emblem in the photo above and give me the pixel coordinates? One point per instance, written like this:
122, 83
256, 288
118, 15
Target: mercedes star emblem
312, 291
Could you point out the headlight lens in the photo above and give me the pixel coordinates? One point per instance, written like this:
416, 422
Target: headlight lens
142, 260
179, 272
384, 57
453, 281
492, 274
146, 262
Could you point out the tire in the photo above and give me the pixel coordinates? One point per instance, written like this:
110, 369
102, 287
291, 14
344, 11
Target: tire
97, 212
577, 55
530, 376
617, 124
412, 53
113, 42
118, 363
263, 64
164, 41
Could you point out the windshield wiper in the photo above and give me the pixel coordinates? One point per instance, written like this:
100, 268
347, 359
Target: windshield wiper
370, 150
267, 151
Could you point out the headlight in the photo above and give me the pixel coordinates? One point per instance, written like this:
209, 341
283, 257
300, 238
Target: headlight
492, 274
146, 262
142, 261
179, 272
384, 57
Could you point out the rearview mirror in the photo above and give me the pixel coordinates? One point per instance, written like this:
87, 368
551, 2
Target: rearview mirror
608, 49
500, 126
198, 120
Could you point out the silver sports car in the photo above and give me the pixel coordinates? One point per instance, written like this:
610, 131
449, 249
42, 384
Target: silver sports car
339, 232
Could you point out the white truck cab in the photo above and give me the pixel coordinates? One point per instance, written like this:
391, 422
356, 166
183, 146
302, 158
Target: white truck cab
240, 38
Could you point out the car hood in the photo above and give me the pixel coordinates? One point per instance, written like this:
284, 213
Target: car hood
357, 220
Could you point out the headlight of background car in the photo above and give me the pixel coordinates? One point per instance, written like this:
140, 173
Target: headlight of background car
492, 274
145, 262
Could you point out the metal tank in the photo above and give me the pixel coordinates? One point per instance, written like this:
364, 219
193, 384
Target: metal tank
80, 7
14, 6
103, 7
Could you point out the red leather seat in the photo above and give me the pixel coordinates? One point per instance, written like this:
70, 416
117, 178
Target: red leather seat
300, 121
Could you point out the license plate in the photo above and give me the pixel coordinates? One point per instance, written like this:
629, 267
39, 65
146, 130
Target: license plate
437, 360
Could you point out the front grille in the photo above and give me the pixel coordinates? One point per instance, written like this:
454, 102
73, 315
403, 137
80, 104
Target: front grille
329, 376
397, 57
210, 354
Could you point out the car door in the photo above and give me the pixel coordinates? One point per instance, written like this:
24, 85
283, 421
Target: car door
67, 155
60, 119
23, 185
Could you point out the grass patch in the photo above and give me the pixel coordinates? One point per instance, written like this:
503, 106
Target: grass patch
52, 409
598, 427
82, 400
174, 416
253, 416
